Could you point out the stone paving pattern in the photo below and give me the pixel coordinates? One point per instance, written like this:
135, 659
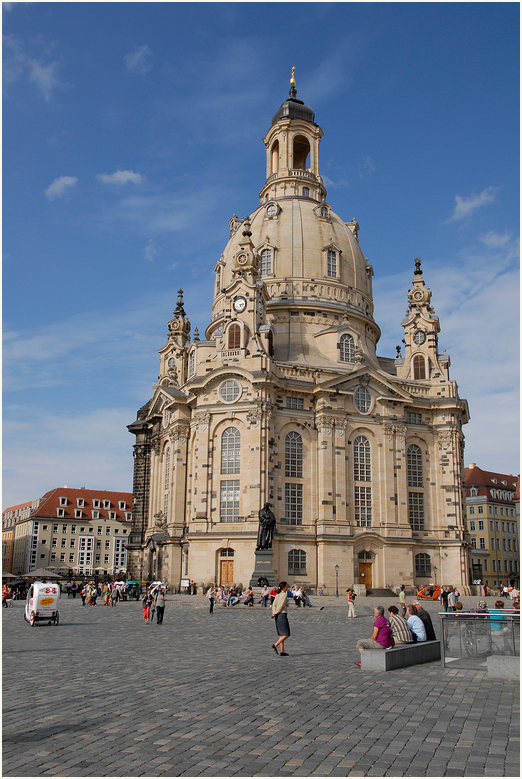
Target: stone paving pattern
104, 694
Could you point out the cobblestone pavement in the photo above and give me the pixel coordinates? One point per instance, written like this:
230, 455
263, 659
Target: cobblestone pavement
104, 694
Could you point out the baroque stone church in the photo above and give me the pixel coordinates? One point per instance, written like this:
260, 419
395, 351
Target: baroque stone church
285, 401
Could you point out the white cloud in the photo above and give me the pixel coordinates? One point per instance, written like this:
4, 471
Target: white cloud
151, 250
60, 186
495, 240
476, 298
464, 206
120, 177
138, 61
367, 167
92, 449
38, 68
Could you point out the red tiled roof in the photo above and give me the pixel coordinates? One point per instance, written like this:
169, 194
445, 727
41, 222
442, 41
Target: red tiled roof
18, 506
476, 477
51, 501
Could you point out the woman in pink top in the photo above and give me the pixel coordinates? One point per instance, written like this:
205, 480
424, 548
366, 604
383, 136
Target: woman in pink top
381, 636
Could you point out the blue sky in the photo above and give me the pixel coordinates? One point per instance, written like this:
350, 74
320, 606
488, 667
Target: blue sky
133, 131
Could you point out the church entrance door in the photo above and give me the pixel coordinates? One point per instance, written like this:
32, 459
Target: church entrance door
365, 574
226, 572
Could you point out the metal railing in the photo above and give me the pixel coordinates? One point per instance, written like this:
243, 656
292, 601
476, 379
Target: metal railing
471, 637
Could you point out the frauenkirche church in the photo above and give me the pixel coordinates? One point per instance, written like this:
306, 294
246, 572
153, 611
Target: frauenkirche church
285, 401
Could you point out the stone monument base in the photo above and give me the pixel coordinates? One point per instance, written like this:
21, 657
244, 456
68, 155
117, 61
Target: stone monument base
263, 568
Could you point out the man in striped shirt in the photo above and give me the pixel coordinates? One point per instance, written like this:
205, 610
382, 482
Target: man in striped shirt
400, 630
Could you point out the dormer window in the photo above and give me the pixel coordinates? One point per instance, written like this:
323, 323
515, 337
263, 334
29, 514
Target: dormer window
60, 512
63, 501
80, 502
78, 513
473, 492
106, 504
96, 503
112, 515
128, 516
95, 514
122, 505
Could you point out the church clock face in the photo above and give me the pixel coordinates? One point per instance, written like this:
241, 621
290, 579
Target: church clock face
419, 337
418, 295
239, 305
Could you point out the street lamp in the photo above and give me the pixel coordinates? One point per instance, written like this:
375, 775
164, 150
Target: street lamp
336, 581
435, 573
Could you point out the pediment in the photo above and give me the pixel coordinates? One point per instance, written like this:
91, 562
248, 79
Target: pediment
369, 377
165, 397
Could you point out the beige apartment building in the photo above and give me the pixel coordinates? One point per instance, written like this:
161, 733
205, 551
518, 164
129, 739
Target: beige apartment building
11, 516
75, 532
493, 526
285, 400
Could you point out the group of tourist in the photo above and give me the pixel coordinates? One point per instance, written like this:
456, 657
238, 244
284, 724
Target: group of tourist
154, 601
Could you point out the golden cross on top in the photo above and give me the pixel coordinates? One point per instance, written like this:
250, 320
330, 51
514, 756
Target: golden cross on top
292, 77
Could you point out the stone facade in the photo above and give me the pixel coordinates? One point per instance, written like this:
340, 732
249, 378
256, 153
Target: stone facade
286, 401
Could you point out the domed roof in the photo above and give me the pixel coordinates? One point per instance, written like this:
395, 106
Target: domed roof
293, 108
300, 236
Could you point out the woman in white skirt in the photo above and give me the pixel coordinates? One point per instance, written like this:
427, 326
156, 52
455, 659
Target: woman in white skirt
281, 620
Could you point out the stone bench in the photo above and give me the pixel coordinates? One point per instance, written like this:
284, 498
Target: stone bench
400, 656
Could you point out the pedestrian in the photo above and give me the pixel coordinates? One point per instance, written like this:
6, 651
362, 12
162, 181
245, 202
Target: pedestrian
68, 588
485, 591
402, 600
211, 595
444, 597
279, 607
159, 601
350, 594
83, 594
452, 600
272, 593
146, 603
74, 589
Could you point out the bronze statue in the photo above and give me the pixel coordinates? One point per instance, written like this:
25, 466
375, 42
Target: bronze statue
267, 522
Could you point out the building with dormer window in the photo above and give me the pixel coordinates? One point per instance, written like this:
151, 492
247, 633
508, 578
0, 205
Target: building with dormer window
363, 467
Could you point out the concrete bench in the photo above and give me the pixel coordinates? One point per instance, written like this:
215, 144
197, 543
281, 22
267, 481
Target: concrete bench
400, 656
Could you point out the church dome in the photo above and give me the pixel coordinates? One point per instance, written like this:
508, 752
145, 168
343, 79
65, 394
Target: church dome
293, 108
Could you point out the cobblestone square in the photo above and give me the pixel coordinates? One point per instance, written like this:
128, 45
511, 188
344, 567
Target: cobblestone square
104, 694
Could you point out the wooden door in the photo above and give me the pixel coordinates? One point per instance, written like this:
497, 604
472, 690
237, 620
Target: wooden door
227, 572
365, 574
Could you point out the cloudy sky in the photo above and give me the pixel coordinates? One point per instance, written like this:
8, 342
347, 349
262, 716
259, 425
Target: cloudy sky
133, 132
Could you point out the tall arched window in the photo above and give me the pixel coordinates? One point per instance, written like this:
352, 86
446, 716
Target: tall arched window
301, 152
331, 263
346, 348
192, 364
230, 450
167, 468
297, 562
419, 367
266, 262
422, 565
294, 455
361, 459
234, 336
414, 456
275, 157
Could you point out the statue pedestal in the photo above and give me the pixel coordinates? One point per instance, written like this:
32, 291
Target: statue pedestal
263, 568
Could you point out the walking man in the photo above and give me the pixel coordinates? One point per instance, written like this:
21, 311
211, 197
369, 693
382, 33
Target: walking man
159, 602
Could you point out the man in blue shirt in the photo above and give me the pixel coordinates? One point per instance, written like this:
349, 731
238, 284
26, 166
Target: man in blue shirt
415, 624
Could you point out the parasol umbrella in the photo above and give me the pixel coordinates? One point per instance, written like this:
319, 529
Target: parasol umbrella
6, 575
42, 573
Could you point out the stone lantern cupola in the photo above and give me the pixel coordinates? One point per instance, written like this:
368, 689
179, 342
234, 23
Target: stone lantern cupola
292, 152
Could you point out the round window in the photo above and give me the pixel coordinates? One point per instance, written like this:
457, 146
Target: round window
362, 400
230, 391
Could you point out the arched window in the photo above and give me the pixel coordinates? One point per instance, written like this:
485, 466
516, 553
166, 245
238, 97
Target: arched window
473, 492
324, 212
419, 367
192, 364
294, 455
416, 510
414, 456
306, 192
266, 262
230, 450
218, 281
422, 565
275, 157
270, 339
361, 459
301, 152
234, 336
297, 562
331, 263
346, 348
167, 468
